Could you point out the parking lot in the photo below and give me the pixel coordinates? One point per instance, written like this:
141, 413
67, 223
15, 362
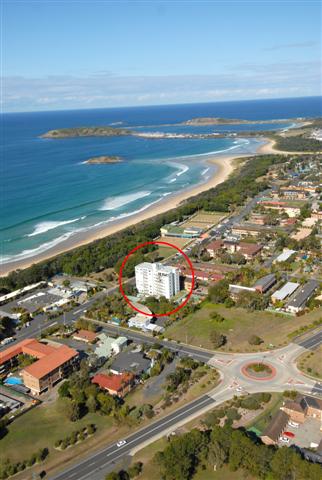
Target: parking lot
306, 433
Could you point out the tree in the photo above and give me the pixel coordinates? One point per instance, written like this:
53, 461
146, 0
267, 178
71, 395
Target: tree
255, 340
135, 469
219, 292
71, 409
217, 339
91, 404
106, 402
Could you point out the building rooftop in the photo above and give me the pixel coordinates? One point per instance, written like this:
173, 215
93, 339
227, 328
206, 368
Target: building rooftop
276, 425
303, 294
86, 335
249, 248
134, 362
30, 346
264, 281
112, 381
51, 362
285, 291
285, 255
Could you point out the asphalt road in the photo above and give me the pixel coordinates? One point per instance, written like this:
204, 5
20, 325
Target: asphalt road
97, 463
312, 342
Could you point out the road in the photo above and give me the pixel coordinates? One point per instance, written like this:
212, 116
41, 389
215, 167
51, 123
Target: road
233, 382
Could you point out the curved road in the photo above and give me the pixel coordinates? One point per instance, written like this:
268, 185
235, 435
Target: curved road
234, 382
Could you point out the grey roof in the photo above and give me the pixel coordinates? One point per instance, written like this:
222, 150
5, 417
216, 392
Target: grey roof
276, 426
311, 402
264, 281
134, 362
304, 293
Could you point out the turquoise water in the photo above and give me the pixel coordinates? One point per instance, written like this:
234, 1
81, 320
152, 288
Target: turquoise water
13, 381
49, 195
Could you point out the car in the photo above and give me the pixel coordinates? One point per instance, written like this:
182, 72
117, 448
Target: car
239, 389
289, 434
121, 443
284, 440
293, 424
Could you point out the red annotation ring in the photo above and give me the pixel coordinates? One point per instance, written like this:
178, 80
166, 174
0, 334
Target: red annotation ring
141, 245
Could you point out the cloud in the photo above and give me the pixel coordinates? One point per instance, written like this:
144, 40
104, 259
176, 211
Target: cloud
103, 89
285, 46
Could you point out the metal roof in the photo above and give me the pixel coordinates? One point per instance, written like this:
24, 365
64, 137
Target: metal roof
304, 293
285, 291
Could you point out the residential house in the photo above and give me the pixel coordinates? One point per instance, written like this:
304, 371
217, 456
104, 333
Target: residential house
118, 385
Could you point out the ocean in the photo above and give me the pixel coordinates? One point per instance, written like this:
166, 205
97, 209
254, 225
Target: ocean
50, 195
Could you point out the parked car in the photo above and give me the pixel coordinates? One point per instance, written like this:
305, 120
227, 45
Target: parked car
289, 434
284, 440
293, 424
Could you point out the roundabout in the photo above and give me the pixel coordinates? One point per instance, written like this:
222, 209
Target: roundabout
258, 371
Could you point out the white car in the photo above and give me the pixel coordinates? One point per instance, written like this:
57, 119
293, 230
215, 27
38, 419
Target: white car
121, 443
293, 424
284, 440
239, 389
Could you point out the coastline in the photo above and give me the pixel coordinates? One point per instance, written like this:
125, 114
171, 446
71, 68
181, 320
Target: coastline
224, 166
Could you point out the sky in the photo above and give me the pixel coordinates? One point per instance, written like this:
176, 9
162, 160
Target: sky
87, 54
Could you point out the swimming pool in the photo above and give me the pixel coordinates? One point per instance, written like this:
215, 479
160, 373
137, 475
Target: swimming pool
13, 381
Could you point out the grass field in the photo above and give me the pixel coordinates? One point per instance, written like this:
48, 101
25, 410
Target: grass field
238, 326
310, 363
205, 219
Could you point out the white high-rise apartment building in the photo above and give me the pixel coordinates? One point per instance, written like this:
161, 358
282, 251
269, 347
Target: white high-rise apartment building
156, 280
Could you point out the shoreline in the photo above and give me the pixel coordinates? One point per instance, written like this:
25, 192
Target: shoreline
224, 166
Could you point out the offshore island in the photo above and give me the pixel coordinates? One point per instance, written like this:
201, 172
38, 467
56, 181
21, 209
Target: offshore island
104, 159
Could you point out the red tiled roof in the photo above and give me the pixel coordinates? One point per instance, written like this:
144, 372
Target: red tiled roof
85, 335
112, 382
249, 248
51, 362
38, 349
215, 245
17, 349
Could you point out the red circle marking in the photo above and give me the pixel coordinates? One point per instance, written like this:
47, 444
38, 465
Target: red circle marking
253, 377
141, 245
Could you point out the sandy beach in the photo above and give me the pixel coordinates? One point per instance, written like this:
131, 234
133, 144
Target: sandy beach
225, 165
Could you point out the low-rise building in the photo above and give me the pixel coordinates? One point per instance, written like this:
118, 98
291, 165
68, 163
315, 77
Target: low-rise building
285, 255
301, 297
118, 385
107, 346
85, 336
262, 285
134, 362
286, 291
139, 321
303, 407
181, 231
275, 428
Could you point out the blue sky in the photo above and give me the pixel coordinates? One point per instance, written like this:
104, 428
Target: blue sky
85, 54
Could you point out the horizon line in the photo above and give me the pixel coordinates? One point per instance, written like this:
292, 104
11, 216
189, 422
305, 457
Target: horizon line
160, 105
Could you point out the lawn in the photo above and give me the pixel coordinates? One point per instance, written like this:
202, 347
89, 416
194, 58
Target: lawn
238, 326
41, 427
310, 363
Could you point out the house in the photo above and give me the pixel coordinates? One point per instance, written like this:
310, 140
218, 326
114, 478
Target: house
244, 230
303, 407
118, 385
275, 428
258, 219
108, 346
286, 291
302, 295
134, 362
262, 285
284, 256
85, 336
139, 321
214, 247
249, 250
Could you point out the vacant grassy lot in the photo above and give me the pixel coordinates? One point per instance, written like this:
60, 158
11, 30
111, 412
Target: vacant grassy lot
238, 326
310, 363
42, 427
